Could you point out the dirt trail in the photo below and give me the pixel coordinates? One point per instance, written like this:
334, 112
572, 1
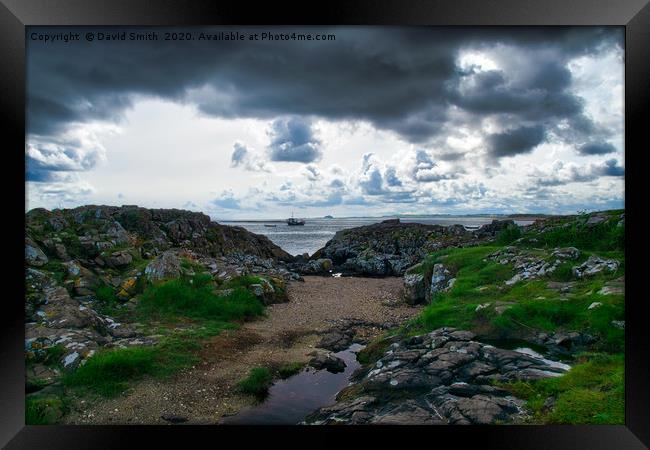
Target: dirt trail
205, 393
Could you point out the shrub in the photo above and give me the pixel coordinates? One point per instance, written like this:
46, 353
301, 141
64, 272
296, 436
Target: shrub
257, 382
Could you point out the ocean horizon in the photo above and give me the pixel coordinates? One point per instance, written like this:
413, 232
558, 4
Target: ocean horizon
312, 236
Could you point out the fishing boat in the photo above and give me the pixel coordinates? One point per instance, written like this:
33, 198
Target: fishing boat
293, 221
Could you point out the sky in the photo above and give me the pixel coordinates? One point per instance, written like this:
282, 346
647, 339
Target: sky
377, 121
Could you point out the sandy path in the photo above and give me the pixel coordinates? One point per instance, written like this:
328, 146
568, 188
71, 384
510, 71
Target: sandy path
289, 333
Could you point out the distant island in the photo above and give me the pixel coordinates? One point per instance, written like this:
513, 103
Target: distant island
328, 217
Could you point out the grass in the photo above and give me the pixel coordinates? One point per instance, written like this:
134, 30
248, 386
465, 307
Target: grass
603, 236
591, 392
257, 383
510, 234
109, 371
41, 410
531, 305
189, 301
194, 298
289, 369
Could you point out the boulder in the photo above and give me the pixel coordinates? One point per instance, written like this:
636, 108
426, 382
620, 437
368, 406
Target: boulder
416, 288
327, 361
118, 259
595, 265
441, 279
34, 256
167, 265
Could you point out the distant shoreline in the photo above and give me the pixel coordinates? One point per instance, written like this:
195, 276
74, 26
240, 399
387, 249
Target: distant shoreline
525, 217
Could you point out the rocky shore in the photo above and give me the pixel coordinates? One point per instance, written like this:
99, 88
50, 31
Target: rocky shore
443, 377
390, 247
551, 284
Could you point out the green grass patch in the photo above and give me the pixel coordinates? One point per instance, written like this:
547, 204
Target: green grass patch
592, 392
601, 237
194, 298
289, 369
508, 235
41, 410
242, 282
105, 293
257, 383
110, 371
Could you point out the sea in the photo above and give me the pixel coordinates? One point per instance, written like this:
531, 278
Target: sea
312, 236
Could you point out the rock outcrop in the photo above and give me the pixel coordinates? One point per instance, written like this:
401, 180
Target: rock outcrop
387, 248
443, 377
77, 257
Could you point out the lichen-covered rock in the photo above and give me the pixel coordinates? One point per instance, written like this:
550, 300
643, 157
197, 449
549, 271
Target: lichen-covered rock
441, 279
167, 265
416, 288
34, 256
389, 248
443, 377
595, 265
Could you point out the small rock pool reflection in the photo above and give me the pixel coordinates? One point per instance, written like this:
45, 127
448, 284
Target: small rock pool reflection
290, 401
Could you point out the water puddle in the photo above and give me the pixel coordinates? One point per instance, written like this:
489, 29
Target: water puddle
534, 354
527, 348
291, 400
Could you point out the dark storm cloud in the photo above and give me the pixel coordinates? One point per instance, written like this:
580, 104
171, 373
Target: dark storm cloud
399, 79
516, 141
293, 140
611, 169
596, 148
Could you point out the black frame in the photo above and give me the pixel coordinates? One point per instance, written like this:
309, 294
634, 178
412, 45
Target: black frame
15, 15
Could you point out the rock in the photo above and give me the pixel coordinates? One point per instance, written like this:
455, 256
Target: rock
327, 361
318, 266
595, 220
441, 279
620, 324
167, 265
118, 259
595, 305
416, 288
492, 229
34, 256
174, 418
442, 377
388, 248
335, 341
481, 306
566, 253
611, 290
595, 265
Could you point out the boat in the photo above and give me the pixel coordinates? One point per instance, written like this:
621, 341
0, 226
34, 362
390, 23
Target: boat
292, 221
269, 225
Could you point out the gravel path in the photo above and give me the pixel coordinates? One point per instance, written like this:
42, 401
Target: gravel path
205, 393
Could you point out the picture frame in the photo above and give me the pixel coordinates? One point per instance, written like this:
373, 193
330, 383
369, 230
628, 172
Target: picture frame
634, 15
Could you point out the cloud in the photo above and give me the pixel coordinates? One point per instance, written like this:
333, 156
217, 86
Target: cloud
227, 200
248, 159
515, 141
564, 173
312, 172
293, 140
596, 148
403, 80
